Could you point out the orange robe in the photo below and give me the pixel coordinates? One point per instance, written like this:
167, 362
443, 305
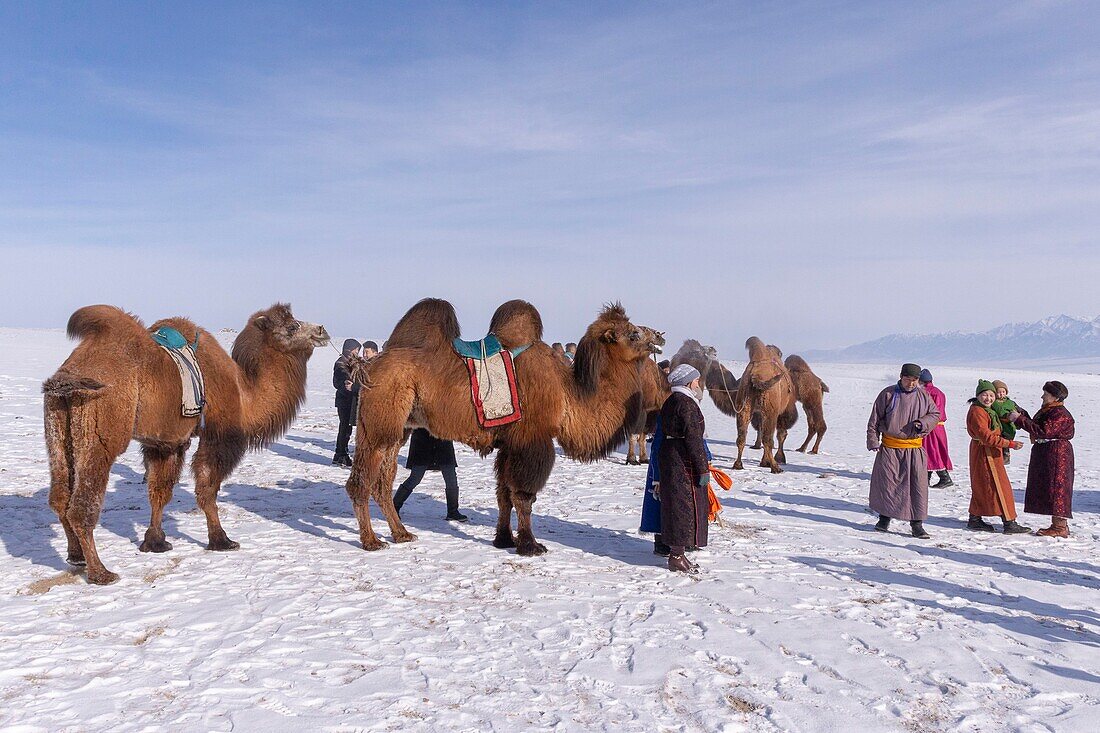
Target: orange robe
990, 491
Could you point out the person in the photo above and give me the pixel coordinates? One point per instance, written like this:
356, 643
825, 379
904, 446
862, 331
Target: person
990, 490
935, 445
347, 396
428, 453
683, 469
1003, 406
570, 351
665, 366
1050, 472
370, 350
900, 417
559, 351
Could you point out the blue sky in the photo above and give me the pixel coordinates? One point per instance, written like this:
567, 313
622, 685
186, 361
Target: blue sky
817, 174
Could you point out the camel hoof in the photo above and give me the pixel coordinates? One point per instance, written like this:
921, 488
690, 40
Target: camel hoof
76, 560
756, 447
531, 549
223, 545
103, 577
813, 452
631, 462
503, 542
781, 459
156, 545
738, 466
406, 537
376, 545
776, 469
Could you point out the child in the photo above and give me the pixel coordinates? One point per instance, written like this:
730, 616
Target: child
1003, 406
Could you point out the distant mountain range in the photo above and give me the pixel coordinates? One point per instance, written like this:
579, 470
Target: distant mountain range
1056, 337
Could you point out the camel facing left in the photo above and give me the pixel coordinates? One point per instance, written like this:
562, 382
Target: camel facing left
118, 385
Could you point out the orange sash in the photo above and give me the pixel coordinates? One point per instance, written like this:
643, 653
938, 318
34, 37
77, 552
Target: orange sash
903, 443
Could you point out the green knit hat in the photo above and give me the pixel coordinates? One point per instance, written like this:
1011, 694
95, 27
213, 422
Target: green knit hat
984, 385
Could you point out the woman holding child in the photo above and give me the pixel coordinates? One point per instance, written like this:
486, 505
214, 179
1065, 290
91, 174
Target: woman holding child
991, 492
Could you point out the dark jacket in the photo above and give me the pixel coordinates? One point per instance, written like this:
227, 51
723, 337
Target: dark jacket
344, 397
682, 461
427, 451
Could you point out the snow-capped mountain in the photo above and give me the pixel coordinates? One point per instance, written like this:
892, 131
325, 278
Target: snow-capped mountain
1055, 337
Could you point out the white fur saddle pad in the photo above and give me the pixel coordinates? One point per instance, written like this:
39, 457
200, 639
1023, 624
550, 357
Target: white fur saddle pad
194, 388
493, 389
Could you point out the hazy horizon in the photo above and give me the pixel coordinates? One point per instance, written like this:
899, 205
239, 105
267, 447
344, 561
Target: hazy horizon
817, 176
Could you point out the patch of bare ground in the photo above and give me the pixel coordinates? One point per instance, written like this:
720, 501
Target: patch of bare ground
44, 585
154, 575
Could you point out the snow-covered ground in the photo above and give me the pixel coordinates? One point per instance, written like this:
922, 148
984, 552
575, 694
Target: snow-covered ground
802, 619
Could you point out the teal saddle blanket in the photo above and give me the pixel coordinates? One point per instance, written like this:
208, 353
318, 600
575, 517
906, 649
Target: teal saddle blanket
185, 356
485, 348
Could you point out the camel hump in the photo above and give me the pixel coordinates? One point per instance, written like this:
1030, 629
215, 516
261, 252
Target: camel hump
757, 349
430, 323
187, 328
516, 323
98, 319
796, 363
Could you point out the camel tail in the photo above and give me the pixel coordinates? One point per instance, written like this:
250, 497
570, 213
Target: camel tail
63, 384
824, 387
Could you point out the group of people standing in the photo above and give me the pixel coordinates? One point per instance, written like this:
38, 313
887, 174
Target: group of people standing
906, 430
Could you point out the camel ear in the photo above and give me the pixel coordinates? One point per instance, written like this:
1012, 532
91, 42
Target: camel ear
608, 336
262, 323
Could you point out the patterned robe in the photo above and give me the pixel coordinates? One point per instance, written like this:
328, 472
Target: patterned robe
682, 460
899, 480
990, 490
1050, 473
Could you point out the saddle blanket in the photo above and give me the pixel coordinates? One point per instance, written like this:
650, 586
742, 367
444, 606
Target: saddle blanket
493, 387
187, 362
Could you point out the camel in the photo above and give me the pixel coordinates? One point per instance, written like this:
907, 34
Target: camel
655, 391
810, 391
419, 382
118, 385
766, 391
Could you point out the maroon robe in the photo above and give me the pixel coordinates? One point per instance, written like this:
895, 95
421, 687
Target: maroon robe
682, 460
1050, 473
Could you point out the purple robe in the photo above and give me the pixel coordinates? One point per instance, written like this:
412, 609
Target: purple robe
899, 480
935, 445
1050, 471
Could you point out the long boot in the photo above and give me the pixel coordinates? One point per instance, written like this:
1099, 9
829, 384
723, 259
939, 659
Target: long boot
945, 480
978, 524
451, 480
678, 562
1059, 527
883, 524
659, 547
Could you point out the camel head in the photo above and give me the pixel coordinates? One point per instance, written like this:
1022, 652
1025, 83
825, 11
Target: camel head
776, 351
656, 339
711, 353
280, 330
611, 338
757, 349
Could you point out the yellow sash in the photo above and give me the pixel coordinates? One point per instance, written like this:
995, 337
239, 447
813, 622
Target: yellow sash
891, 442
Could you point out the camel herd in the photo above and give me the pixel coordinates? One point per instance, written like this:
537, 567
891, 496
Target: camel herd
118, 385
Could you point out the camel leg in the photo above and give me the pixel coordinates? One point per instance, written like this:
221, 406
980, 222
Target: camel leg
742, 434
767, 432
93, 468
162, 471
58, 437
211, 464
643, 454
821, 428
384, 497
631, 459
365, 473
523, 470
781, 438
810, 430
504, 537
756, 445
525, 535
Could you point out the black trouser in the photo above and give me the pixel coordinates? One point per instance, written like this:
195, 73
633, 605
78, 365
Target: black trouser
347, 421
450, 479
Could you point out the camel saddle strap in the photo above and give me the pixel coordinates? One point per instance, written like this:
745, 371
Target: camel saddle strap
185, 357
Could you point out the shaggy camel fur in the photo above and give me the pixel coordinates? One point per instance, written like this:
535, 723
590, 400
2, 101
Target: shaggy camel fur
767, 392
810, 391
418, 381
655, 391
694, 353
118, 386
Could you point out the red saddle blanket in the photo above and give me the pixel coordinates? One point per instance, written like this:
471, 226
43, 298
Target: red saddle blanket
493, 389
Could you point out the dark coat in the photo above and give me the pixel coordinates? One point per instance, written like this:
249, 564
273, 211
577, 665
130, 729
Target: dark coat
344, 397
1050, 472
427, 451
651, 506
682, 461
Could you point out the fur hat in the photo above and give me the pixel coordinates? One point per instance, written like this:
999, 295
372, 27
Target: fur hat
984, 385
925, 376
910, 370
998, 384
350, 345
683, 375
1057, 390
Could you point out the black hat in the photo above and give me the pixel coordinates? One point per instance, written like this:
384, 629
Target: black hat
1057, 390
370, 345
351, 345
910, 370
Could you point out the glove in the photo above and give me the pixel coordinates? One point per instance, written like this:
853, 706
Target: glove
704, 480
657, 490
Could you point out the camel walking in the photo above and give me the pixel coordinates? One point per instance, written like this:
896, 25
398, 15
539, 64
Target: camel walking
418, 381
767, 392
810, 391
118, 385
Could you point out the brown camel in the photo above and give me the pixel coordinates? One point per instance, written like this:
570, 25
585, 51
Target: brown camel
419, 382
811, 393
655, 391
767, 392
118, 385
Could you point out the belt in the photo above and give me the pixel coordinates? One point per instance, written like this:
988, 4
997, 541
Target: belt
1047, 440
904, 443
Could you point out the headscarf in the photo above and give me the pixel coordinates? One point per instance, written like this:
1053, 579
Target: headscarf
683, 375
350, 345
